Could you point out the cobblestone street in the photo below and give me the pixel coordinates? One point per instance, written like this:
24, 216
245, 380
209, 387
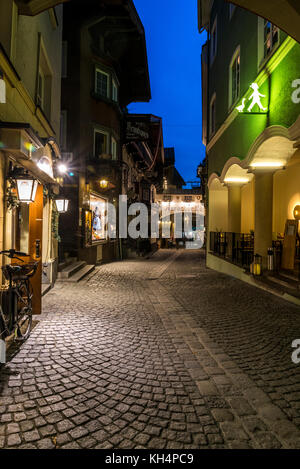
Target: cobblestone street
158, 353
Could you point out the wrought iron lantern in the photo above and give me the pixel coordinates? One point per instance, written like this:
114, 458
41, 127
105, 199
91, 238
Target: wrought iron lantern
26, 188
62, 205
103, 184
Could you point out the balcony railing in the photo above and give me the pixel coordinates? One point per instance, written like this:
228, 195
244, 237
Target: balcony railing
237, 248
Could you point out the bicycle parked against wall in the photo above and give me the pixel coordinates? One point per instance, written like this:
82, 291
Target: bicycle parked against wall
16, 298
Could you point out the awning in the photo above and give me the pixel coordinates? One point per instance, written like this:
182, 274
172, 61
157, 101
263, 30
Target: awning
283, 13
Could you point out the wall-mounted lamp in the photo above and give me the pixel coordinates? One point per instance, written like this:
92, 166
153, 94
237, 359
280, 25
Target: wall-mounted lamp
297, 212
62, 205
103, 184
26, 188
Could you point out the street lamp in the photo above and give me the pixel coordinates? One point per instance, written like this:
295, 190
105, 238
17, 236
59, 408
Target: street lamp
62, 205
103, 184
26, 188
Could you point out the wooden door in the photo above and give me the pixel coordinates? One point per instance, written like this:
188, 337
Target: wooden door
36, 236
289, 245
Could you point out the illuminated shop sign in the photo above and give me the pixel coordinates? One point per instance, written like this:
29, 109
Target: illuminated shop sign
254, 102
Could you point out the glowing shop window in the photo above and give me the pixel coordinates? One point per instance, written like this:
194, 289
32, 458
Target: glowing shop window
98, 208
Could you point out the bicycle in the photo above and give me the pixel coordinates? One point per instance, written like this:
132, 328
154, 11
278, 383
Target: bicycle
16, 304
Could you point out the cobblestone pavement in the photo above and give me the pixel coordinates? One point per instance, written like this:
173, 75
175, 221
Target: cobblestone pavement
158, 353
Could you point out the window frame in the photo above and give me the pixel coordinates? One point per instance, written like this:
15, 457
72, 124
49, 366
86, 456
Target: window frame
265, 39
212, 113
103, 132
108, 75
114, 157
234, 99
114, 86
232, 10
213, 51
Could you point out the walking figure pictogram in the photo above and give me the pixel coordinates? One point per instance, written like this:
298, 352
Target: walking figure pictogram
256, 98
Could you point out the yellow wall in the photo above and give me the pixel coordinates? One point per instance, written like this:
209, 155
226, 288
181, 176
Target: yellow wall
218, 209
247, 207
286, 193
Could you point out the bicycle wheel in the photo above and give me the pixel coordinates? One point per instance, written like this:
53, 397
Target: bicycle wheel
24, 311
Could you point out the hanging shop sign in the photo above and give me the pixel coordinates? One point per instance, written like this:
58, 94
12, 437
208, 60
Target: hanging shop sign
253, 104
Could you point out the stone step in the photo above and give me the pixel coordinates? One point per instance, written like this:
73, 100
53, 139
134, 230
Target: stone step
79, 274
71, 270
66, 263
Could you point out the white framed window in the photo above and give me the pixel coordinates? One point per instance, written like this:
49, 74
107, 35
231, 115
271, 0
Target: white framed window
234, 77
101, 83
100, 143
232, 8
114, 91
213, 41
114, 148
212, 115
271, 37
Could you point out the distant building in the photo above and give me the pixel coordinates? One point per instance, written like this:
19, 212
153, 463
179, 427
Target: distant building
172, 199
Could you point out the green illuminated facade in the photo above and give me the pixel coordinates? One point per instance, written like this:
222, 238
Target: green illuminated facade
249, 155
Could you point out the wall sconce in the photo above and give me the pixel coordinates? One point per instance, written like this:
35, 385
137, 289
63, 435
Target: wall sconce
62, 205
297, 212
103, 184
26, 188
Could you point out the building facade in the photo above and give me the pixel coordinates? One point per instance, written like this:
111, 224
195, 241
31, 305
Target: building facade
251, 129
181, 209
143, 166
104, 69
30, 84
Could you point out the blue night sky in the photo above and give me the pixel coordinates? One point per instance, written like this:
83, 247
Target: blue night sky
174, 56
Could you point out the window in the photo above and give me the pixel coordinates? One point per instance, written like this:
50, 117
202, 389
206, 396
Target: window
231, 10
212, 116
102, 83
44, 81
100, 143
114, 91
271, 37
234, 78
213, 41
98, 207
114, 148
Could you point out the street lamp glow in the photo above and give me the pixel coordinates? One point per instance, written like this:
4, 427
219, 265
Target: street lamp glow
62, 168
